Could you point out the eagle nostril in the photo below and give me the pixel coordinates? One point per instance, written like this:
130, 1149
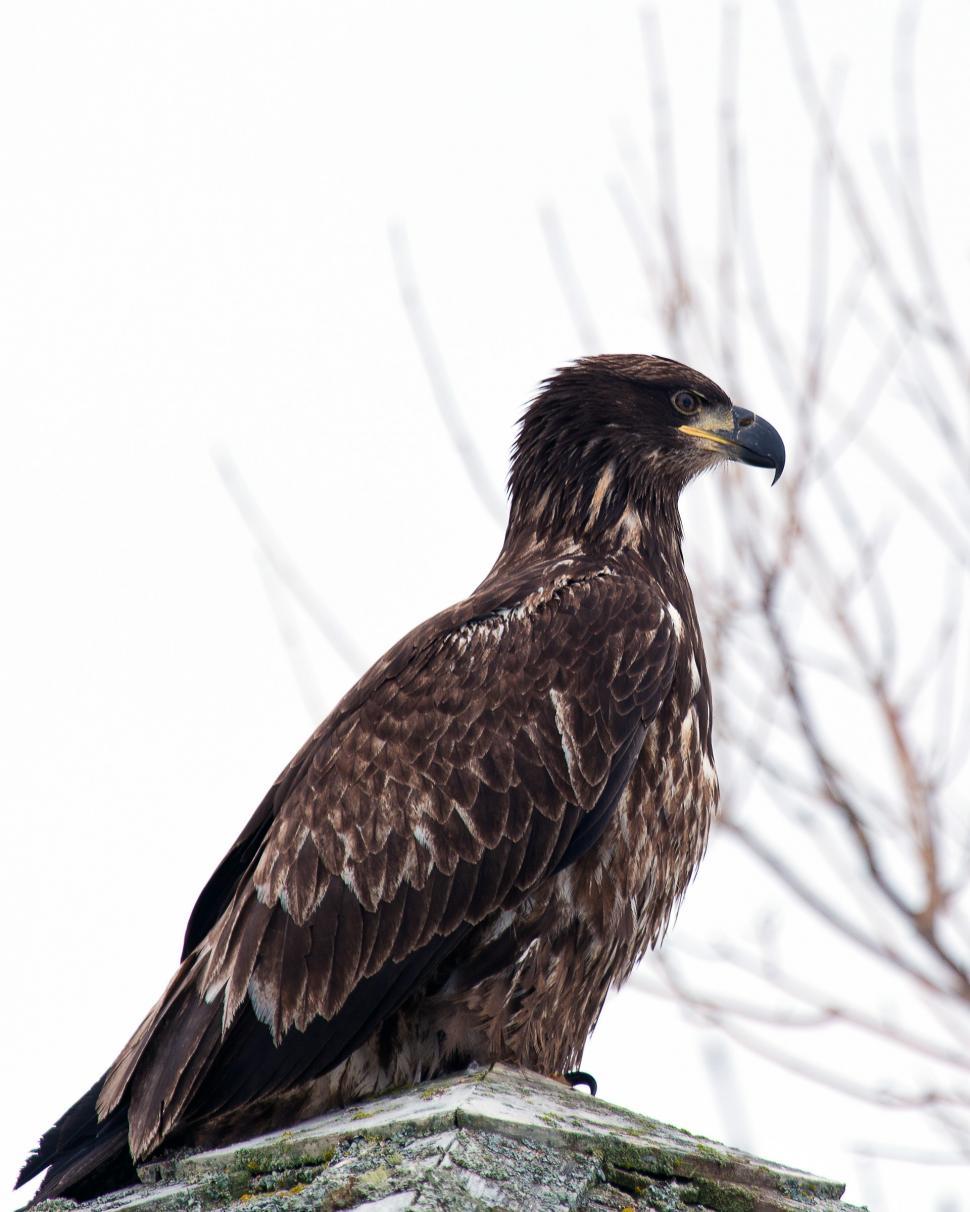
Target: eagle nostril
745, 417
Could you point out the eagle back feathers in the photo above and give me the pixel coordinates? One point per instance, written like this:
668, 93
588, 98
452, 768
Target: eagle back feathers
446, 785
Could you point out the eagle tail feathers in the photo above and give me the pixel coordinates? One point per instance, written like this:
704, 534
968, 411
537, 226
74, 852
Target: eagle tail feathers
83, 1157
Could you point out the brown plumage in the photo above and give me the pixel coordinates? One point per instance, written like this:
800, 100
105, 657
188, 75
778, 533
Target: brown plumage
486, 833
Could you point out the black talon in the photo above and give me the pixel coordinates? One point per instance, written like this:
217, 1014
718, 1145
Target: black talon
578, 1078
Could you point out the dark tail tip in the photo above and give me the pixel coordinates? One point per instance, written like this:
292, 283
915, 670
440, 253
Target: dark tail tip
83, 1158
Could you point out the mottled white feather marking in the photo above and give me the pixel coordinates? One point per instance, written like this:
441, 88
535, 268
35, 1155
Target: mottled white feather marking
263, 1003
572, 765
530, 950
214, 990
511, 612
695, 677
631, 526
676, 621
348, 875
708, 773
600, 491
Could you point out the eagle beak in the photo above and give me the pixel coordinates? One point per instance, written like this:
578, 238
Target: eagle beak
748, 439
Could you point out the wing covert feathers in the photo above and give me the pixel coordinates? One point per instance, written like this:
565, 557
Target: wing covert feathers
457, 775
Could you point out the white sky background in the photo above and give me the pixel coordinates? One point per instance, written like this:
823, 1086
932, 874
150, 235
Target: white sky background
194, 257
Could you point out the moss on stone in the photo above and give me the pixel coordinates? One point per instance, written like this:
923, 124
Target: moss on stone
717, 1156
626, 1180
288, 1154
375, 1181
501, 1139
641, 1159
720, 1197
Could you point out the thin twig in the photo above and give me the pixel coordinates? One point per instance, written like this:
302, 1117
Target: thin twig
285, 567
434, 366
570, 285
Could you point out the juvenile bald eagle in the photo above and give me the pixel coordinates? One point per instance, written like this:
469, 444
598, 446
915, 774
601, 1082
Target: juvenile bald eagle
487, 832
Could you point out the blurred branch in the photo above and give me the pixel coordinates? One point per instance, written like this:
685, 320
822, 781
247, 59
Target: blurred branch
717, 1013
441, 389
284, 566
821, 1008
908, 314
678, 301
300, 665
923, 1157
813, 899
728, 195
569, 284
812, 596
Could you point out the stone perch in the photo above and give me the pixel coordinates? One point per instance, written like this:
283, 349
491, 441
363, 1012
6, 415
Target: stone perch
493, 1139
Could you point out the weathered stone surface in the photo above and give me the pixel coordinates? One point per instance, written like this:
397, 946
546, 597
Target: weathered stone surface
495, 1139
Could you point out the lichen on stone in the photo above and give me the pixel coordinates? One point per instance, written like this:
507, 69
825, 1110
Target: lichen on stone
495, 1139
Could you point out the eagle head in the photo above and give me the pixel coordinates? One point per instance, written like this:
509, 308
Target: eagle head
617, 433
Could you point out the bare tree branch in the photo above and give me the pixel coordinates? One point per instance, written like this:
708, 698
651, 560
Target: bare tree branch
284, 566
441, 389
569, 284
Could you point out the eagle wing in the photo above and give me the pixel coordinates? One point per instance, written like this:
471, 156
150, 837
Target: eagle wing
483, 754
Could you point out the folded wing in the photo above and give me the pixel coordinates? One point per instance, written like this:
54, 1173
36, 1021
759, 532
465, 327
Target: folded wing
482, 755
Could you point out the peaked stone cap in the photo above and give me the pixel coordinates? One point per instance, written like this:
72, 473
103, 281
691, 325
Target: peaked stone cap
494, 1139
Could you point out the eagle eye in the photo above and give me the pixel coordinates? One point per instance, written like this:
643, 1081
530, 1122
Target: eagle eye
686, 402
